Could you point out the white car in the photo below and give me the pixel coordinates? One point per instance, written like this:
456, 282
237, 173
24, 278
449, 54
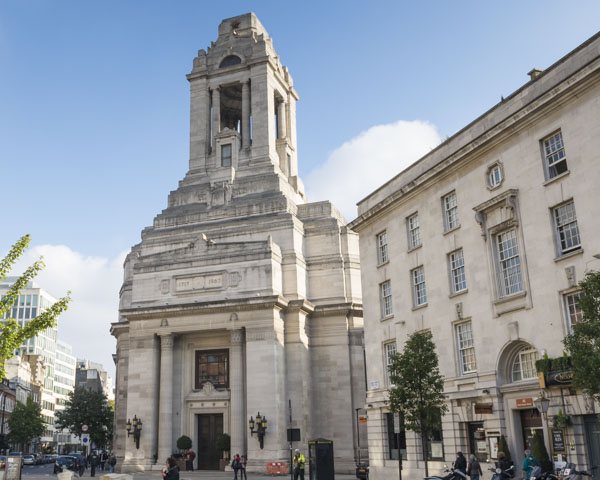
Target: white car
28, 460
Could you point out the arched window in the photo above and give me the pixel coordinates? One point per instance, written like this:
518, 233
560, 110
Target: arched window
230, 60
523, 366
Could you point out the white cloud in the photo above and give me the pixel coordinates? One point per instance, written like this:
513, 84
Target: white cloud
362, 164
94, 283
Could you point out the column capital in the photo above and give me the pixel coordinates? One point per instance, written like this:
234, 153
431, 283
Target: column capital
166, 340
237, 337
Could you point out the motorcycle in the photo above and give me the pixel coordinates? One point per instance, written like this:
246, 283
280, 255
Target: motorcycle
500, 474
452, 475
536, 474
570, 473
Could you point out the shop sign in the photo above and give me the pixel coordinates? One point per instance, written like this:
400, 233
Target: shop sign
484, 408
557, 379
558, 440
524, 402
362, 419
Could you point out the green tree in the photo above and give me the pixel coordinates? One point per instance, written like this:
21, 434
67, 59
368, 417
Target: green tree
91, 408
503, 447
583, 345
417, 393
25, 422
12, 335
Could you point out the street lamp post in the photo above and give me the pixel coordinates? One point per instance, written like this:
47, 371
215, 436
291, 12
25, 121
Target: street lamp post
542, 403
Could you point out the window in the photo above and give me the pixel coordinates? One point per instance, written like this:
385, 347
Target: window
574, 313
509, 264
390, 351
419, 290
382, 248
466, 350
495, 176
567, 232
524, 364
396, 440
212, 366
555, 161
436, 441
458, 280
450, 211
226, 155
230, 60
414, 232
386, 299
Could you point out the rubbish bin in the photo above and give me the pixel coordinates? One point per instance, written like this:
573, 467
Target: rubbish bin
320, 459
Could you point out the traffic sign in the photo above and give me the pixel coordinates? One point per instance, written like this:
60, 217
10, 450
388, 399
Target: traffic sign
84, 428
85, 439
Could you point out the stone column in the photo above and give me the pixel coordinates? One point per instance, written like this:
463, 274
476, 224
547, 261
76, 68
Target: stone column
216, 123
281, 120
208, 125
236, 385
165, 419
245, 114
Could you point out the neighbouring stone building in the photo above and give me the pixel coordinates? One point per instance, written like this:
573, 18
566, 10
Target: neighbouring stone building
482, 242
241, 296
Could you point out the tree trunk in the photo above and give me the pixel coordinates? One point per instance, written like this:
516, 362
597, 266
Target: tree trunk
424, 445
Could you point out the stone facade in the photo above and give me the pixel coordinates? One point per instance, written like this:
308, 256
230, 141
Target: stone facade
241, 296
482, 242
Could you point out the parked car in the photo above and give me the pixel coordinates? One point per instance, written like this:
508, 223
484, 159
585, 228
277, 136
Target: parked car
28, 460
64, 463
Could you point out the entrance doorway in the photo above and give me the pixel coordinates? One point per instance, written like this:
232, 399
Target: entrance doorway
531, 423
210, 426
477, 442
592, 437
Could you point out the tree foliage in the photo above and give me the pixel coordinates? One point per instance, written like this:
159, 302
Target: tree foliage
12, 336
25, 422
503, 447
91, 408
417, 393
184, 442
583, 345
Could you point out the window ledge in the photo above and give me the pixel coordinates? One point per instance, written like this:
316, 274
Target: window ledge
384, 319
462, 292
573, 253
383, 263
414, 248
453, 229
558, 177
419, 307
491, 189
510, 298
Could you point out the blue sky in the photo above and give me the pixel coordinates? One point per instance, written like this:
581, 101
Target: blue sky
94, 101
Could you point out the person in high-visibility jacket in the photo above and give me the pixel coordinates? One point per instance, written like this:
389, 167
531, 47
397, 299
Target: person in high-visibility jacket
299, 462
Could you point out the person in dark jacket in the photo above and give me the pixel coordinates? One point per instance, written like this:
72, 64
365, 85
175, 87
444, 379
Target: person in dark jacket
461, 463
474, 469
172, 471
93, 464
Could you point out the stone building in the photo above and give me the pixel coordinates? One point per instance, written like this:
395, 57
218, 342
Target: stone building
241, 297
482, 242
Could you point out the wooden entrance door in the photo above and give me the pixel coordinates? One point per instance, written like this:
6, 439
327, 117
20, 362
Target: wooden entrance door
531, 422
210, 426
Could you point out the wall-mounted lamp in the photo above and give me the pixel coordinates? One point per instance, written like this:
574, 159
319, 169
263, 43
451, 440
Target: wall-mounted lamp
134, 428
261, 428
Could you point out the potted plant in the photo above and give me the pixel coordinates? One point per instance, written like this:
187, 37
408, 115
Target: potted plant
184, 443
223, 444
561, 420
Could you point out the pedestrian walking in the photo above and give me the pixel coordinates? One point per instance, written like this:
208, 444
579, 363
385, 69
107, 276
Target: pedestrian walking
460, 463
236, 464
93, 464
81, 464
189, 463
103, 457
112, 461
171, 472
243, 463
299, 462
474, 469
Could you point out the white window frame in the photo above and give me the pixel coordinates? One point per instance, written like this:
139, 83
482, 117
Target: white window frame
529, 354
465, 347
382, 248
458, 276
385, 296
389, 349
414, 231
573, 313
419, 287
566, 230
495, 176
450, 208
508, 266
229, 157
553, 151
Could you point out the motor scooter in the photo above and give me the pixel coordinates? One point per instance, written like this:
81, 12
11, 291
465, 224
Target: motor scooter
536, 474
570, 473
500, 474
452, 475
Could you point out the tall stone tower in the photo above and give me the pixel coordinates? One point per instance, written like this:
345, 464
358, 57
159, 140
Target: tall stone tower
241, 297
